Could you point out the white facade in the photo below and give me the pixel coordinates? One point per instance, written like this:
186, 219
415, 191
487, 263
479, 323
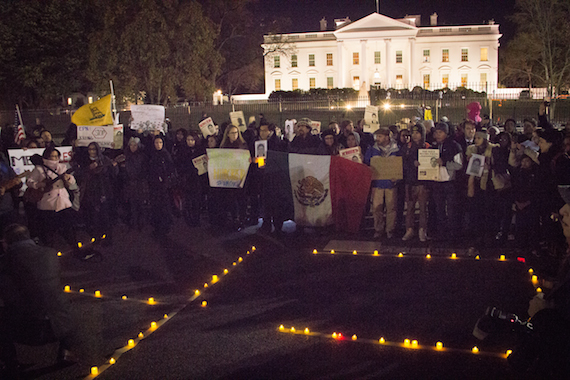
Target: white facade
390, 53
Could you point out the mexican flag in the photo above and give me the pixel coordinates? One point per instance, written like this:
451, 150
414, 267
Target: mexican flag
324, 190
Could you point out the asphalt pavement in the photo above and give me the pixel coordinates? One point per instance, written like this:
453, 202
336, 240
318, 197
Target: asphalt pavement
231, 328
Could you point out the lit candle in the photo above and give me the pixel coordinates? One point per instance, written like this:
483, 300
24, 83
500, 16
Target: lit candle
226, 271
92, 240
240, 259
103, 237
204, 303
334, 335
260, 161
141, 335
67, 288
354, 253
197, 292
354, 337
112, 361
315, 251
406, 342
281, 328
439, 346
306, 330
477, 257
131, 343
124, 297
539, 290
79, 244
165, 316
292, 329
375, 253
332, 251
530, 270
214, 279
475, 350
153, 325
382, 340
81, 290
428, 256
151, 301
508, 353
415, 343
400, 254
502, 258
253, 248
205, 285
534, 278
59, 253
94, 371
234, 263
97, 294
453, 256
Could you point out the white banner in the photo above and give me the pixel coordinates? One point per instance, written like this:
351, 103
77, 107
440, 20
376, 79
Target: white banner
107, 136
228, 167
20, 159
148, 117
310, 183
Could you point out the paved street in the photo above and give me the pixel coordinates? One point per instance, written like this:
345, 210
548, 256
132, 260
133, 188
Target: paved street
282, 282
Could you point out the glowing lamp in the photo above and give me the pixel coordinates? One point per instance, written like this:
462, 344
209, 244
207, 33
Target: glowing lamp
415, 343
153, 325
59, 253
387, 106
214, 279
112, 361
508, 353
354, 253
281, 328
502, 258
141, 335
348, 107
332, 251
306, 331
131, 343
226, 271
151, 301
439, 346
79, 245
428, 256
453, 256
81, 290
406, 342
400, 254
376, 253
204, 303
477, 257
315, 251
539, 290
124, 297
402, 106
354, 337
475, 350
292, 329
66, 288
197, 292
94, 371
165, 316
382, 340
260, 161
240, 259
92, 240
334, 335
97, 293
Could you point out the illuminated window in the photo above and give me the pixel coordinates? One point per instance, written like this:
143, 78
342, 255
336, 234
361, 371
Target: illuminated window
483, 81
355, 59
294, 60
399, 79
426, 56
463, 80
329, 59
311, 60
312, 83
330, 83
295, 83
445, 55
276, 62
426, 80
377, 57
484, 54
399, 58
277, 84
464, 55
445, 80
356, 83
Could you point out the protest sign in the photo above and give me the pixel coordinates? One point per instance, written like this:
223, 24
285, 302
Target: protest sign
148, 117
201, 163
371, 122
207, 127
476, 165
289, 131
238, 120
118, 136
353, 154
20, 159
228, 167
386, 167
103, 135
261, 148
429, 168
315, 127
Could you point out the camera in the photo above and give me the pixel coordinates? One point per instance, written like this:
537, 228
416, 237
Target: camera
496, 321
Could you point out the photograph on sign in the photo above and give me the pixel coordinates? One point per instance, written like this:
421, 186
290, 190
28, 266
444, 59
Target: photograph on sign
429, 168
207, 127
315, 127
201, 164
261, 148
371, 120
352, 154
476, 165
238, 120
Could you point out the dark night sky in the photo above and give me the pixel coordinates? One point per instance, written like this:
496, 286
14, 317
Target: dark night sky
306, 14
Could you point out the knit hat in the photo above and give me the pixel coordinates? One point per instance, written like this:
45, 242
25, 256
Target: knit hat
419, 128
304, 122
442, 127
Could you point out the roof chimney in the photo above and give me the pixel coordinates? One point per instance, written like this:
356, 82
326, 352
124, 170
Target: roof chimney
323, 24
433, 19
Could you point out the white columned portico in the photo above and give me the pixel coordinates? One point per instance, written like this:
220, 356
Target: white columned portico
364, 71
388, 56
412, 64
340, 58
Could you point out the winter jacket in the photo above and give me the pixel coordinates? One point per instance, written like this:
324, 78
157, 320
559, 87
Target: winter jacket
376, 150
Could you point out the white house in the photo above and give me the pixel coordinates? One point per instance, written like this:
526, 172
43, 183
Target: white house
386, 52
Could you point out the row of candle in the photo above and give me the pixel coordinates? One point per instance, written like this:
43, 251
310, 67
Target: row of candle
428, 256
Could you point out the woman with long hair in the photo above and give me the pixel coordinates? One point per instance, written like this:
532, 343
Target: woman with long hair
161, 172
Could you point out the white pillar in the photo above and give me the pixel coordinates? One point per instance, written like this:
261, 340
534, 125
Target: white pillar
363, 68
388, 59
412, 64
339, 59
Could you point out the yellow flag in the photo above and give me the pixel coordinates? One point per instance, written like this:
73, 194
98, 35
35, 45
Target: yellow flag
96, 113
428, 114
